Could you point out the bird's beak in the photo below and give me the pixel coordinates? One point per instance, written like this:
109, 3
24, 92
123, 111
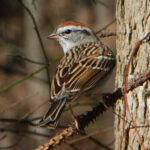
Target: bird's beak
53, 36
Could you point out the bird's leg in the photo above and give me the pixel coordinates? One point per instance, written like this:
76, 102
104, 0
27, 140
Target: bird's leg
74, 117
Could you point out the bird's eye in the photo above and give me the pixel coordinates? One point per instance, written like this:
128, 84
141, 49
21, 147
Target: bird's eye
67, 31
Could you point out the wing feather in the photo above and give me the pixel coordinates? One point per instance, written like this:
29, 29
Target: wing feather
77, 74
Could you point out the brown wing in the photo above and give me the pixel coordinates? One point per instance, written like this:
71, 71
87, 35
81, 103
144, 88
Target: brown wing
82, 74
88, 71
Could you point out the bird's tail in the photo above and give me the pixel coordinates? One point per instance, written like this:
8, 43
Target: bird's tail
50, 119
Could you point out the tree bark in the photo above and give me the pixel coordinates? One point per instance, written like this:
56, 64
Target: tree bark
133, 23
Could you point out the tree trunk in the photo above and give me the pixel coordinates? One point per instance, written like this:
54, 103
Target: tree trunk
133, 23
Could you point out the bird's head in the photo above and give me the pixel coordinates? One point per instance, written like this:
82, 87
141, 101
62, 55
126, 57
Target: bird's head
71, 33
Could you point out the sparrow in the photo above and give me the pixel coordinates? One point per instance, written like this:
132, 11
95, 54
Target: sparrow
86, 62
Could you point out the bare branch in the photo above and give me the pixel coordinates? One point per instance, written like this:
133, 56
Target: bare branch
105, 27
24, 131
4, 89
51, 143
15, 120
84, 120
27, 59
40, 40
106, 33
84, 136
9, 147
100, 144
89, 136
3, 137
27, 76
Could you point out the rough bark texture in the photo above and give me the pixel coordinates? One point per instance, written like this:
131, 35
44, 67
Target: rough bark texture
133, 23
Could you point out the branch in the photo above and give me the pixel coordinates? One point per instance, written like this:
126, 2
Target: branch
27, 59
108, 100
90, 137
4, 89
66, 133
106, 33
10, 146
21, 80
105, 27
100, 144
24, 121
40, 40
17, 131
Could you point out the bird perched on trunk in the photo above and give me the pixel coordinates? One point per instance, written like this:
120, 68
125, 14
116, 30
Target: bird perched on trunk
85, 62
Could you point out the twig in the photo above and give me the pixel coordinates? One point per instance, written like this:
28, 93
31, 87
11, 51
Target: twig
9, 147
105, 27
84, 136
100, 144
84, 120
89, 136
27, 59
12, 70
108, 100
24, 131
106, 33
3, 137
74, 147
4, 89
30, 122
21, 80
11, 106
40, 40
70, 131
33, 110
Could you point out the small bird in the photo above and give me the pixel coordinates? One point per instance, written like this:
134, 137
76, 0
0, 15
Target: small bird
85, 62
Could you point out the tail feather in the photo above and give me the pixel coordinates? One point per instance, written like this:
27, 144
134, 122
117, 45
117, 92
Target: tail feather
50, 119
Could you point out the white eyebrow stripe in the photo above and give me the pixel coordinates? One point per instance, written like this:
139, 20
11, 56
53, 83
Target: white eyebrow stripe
73, 28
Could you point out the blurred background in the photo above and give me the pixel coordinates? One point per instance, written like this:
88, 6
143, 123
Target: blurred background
29, 99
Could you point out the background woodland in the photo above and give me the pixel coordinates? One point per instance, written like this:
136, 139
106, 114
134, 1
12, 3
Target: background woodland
24, 86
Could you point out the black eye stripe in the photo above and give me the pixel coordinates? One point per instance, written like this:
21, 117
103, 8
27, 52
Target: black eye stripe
67, 31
